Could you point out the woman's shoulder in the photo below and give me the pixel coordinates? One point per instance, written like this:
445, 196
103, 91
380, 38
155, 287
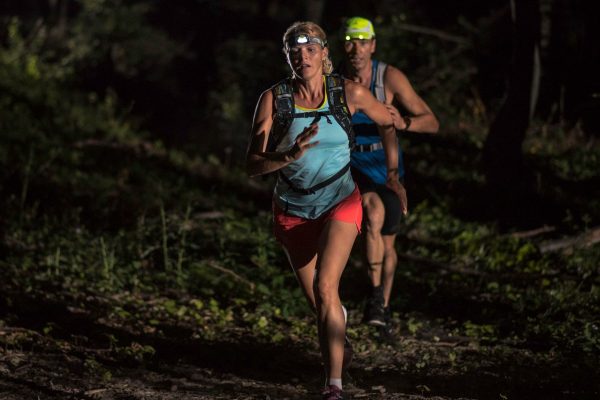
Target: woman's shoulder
264, 106
282, 83
266, 95
354, 89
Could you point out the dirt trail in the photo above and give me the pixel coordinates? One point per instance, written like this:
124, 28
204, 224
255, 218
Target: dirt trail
46, 369
51, 350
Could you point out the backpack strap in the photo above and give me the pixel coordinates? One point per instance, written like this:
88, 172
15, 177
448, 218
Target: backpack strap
336, 95
379, 89
313, 189
314, 114
284, 112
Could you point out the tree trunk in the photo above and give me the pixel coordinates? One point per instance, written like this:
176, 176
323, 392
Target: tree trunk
502, 156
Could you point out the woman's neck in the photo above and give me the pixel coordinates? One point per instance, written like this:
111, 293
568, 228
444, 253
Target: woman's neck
310, 93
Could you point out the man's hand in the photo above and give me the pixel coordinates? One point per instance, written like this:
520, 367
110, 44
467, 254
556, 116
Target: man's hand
399, 122
394, 184
303, 143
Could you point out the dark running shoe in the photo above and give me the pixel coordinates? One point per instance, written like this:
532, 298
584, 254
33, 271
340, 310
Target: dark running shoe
332, 392
348, 354
386, 332
374, 312
387, 315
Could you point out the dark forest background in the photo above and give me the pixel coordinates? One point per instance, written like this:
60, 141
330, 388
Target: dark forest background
188, 73
132, 240
183, 68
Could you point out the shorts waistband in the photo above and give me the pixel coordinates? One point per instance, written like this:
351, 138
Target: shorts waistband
363, 148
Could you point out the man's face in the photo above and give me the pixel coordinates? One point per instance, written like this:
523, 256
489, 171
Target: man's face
359, 51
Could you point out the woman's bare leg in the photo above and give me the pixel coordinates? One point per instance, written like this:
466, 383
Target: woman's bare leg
335, 244
305, 273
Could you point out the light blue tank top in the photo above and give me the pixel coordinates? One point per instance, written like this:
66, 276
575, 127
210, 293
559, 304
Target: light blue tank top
316, 165
372, 163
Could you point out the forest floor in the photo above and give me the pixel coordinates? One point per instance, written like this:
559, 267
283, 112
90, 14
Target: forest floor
54, 345
113, 291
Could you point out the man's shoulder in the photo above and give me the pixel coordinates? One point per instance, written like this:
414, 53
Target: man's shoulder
394, 75
388, 71
389, 67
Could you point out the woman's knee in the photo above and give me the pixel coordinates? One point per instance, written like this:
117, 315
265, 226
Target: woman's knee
327, 291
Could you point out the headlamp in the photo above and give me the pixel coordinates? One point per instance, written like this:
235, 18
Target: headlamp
358, 28
305, 39
359, 37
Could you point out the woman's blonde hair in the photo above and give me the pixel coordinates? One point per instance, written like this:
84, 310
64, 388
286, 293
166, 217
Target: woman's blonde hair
311, 29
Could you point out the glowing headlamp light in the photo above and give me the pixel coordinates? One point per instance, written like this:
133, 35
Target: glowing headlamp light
305, 39
359, 37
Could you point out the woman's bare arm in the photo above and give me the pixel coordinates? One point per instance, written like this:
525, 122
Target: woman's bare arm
258, 160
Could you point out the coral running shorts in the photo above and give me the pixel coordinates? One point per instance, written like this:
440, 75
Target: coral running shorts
301, 235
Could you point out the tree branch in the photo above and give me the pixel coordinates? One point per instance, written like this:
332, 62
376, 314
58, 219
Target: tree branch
585, 239
432, 32
214, 265
533, 232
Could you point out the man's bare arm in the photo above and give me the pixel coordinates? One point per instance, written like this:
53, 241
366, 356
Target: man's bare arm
421, 118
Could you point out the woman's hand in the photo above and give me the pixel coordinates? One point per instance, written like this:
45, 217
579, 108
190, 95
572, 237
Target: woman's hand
303, 143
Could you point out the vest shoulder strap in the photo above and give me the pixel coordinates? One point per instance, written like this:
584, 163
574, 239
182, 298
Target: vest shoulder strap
338, 105
284, 112
379, 83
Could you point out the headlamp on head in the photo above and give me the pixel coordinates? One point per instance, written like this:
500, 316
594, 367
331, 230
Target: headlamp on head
359, 37
358, 28
304, 39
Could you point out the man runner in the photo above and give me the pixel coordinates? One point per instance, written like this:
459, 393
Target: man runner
381, 206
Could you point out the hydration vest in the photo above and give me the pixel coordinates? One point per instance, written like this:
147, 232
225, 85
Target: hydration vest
368, 157
376, 87
285, 112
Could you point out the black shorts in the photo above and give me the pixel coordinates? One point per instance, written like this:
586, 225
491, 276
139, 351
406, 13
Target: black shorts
391, 202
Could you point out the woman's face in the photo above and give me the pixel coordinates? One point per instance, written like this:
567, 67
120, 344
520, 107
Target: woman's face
306, 60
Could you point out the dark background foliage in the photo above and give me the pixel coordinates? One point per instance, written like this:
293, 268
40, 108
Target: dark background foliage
128, 224
192, 70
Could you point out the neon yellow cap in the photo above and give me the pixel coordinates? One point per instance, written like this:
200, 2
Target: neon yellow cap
359, 28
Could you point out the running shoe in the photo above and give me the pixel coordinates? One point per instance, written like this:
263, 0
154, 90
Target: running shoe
332, 392
374, 313
387, 315
348, 350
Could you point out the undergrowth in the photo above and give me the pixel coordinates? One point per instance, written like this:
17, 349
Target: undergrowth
92, 209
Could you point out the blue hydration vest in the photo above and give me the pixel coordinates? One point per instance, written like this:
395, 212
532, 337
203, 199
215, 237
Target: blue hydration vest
330, 158
372, 163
